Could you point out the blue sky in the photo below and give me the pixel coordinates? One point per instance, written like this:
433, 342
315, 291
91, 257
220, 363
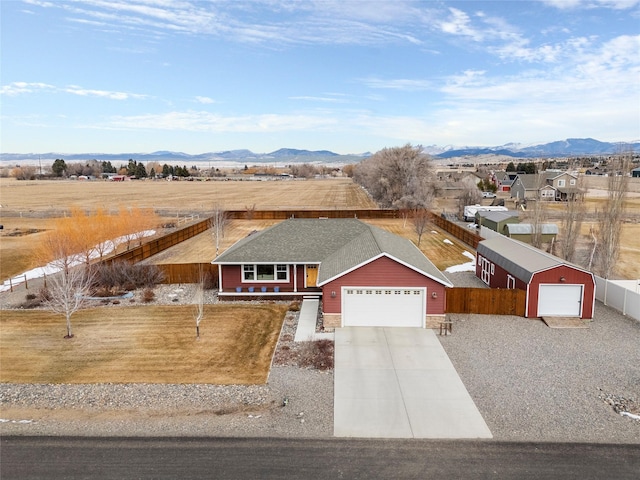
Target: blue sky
348, 76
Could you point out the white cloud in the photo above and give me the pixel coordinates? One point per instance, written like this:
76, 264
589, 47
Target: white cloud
210, 122
404, 84
22, 88
205, 100
572, 4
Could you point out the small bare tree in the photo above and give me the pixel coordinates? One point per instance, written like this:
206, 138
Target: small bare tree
469, 195
537, 212
67, 292
218, 223
198, 301
611, 218
420, 220
572, 223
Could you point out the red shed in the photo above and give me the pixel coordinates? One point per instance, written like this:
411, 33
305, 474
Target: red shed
554, 287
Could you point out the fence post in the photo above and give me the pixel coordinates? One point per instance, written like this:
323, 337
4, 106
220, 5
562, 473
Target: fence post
26, 284
10, 285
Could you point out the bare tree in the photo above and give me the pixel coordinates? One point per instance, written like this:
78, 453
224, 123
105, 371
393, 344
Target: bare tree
537, 212
469, 195
610, 221
218, 223
67, 292
572, 223
420, 220
198, 301
400, 177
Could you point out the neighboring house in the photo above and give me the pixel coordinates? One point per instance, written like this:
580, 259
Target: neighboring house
549, 185
504, 180
496, 221
524, 232
635, 173
365, 275
553, 286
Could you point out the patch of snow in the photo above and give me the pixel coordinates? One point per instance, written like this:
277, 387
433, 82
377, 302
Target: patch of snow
55, 265
631, 415
465, 267
446, 240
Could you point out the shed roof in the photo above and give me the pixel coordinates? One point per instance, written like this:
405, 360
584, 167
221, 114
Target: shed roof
498, 216
519, 259
338, 245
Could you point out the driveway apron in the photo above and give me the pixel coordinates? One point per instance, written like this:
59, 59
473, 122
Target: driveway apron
399, 383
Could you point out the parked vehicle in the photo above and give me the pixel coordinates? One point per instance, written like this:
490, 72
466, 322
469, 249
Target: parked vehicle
488, 195
471, 210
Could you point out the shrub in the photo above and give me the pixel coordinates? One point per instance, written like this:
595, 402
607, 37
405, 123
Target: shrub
31, 296
318, 355
148, 295
294, 306
44, 294
126, 276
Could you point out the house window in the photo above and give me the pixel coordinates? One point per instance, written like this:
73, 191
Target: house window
572, 181
561, 183
249, 272
511, 281
265, 273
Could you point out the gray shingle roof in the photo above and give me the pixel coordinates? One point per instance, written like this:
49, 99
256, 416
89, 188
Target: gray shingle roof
338, 245
517, 258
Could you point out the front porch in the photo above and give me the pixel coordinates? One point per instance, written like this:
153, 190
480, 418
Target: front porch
267, 293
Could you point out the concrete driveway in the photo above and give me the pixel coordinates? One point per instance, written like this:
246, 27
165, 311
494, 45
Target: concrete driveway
399, 383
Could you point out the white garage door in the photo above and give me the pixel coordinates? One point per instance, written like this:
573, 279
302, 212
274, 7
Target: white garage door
383, 307
560, 300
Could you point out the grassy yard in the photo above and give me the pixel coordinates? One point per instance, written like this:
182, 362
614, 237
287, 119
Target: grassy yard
141, 344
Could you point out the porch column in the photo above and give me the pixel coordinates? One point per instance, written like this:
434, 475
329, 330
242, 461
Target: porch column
220, 279
295, 278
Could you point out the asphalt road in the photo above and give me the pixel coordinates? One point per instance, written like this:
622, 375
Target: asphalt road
220, 458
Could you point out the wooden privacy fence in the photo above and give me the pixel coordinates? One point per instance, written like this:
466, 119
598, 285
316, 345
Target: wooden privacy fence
462, 233
488, 301
157, 245
187, 272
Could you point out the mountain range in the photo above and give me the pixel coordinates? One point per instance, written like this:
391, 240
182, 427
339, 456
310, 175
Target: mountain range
563, 148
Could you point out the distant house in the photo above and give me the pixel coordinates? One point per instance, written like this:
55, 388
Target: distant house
549, 185
366, 276
504, 180
553, 286
635, 173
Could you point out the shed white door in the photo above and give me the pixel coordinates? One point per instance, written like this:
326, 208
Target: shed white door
560, 300
383, 307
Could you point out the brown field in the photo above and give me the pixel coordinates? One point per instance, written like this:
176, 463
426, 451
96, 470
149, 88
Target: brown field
183, 197
151, 344
41, 197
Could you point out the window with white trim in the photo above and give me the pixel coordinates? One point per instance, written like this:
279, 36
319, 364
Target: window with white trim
511, 281
561, 183
265, 273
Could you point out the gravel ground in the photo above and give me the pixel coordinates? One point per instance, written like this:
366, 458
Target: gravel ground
535, 383
530, 382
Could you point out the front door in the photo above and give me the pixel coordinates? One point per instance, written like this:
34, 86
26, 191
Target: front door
311, 275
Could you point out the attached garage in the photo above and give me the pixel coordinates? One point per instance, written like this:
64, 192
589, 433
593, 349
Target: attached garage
554, 287
383, 307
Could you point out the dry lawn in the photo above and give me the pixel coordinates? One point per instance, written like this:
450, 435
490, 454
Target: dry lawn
201, 248
150, 344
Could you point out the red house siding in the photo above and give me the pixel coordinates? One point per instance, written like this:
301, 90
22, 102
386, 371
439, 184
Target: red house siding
232, 277
383, 272
499, 277
571, 277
